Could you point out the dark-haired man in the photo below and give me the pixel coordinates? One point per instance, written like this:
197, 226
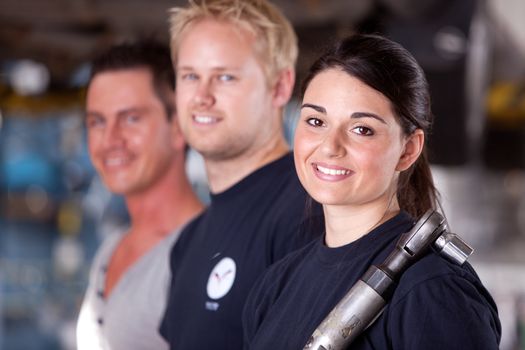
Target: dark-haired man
136, 147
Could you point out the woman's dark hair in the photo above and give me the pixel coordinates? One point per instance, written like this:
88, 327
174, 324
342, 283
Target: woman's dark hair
390, 69
149, 54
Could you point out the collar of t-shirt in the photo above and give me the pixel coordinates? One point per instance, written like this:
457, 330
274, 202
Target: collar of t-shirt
380, 236
256, 180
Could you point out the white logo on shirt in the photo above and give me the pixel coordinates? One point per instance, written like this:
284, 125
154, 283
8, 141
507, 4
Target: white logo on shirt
221, 278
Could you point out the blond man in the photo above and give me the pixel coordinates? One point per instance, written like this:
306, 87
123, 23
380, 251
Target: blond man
234, 63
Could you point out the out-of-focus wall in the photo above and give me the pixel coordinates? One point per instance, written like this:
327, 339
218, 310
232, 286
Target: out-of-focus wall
511, 14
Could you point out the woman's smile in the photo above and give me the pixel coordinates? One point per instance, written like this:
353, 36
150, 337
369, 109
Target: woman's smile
330, 172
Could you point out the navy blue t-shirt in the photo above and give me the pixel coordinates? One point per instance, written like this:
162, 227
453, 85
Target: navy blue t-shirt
221, 253
436, 305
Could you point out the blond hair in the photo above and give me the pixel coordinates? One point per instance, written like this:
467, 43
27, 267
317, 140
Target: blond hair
275, 44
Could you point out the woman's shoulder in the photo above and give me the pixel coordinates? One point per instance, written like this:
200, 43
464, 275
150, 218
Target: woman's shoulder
434, 267
438, 298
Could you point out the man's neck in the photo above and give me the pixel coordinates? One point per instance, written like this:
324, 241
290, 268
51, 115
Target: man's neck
163, 207
223, 174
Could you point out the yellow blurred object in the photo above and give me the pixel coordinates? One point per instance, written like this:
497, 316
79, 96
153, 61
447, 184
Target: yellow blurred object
51, 101
69, 218
506, 104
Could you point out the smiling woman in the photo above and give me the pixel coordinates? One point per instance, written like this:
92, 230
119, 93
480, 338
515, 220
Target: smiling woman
359, 151
349, 147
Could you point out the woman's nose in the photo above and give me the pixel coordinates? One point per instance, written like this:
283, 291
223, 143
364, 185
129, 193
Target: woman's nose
332, 145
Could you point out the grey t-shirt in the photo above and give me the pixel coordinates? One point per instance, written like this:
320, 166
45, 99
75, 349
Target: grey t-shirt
129, 319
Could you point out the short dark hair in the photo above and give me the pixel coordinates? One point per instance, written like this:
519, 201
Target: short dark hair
149, 54
388, 68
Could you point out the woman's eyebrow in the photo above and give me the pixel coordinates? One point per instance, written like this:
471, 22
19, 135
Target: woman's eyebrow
317, 108
353, 115
367, 115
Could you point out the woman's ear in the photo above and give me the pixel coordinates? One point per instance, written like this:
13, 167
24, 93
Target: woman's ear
413, 147
283, 87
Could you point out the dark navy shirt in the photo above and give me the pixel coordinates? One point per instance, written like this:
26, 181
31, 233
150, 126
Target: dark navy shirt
223, 251
436, 305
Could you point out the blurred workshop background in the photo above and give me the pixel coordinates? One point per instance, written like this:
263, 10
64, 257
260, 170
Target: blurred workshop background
54, 210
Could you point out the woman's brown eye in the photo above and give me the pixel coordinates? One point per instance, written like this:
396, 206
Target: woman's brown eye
362, 130
314, 121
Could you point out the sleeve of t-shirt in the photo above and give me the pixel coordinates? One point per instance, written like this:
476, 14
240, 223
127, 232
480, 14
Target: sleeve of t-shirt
445, 312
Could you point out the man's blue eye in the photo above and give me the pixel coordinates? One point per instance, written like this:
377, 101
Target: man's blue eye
93, 122
189, 76
132, 118
226, 77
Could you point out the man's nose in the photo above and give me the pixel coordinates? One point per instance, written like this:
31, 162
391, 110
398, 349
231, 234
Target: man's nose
204, 95
114, 135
